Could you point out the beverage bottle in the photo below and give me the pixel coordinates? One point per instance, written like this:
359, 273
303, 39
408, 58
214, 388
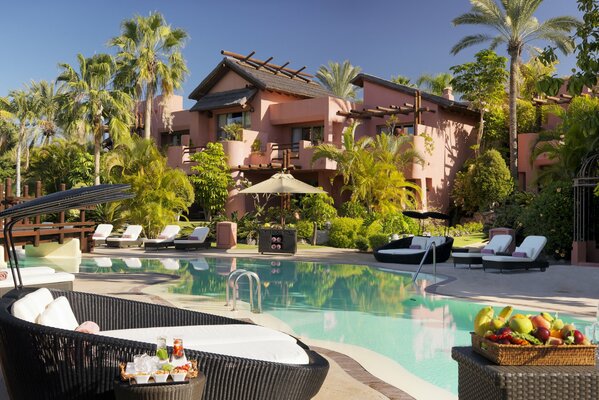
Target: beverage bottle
178, 357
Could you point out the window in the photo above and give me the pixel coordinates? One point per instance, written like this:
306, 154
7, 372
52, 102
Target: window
400, 129
314, 134
241, 118
173, 138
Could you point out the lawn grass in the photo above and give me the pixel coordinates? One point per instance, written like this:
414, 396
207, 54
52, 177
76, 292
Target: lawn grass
469, 239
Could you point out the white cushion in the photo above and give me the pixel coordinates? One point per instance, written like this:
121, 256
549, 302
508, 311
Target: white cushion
438, 240
419, 241
32, 305
401, 251
58, 314
465, 255
249, 341
507, 259
102, 231
200, 233
499, 243
40, 279
29, 271
131, 234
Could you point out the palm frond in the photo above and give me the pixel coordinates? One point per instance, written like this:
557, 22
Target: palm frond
469, 41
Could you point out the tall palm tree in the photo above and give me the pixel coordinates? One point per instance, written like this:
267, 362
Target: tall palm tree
435, 83
45, 99
337, 78
514, 24
18, 106
149, 57
402, 80
89, 104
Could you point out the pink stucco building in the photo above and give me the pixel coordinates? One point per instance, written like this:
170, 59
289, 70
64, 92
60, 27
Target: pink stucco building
283, 110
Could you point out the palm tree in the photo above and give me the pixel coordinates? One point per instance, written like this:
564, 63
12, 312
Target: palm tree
19, 107
435, 83
90, 105
515, 25
337, 78
149, 57
402, 80
45, 98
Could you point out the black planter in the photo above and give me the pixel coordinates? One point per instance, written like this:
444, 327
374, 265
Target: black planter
277, 241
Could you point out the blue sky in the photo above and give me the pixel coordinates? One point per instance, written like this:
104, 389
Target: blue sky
383, 37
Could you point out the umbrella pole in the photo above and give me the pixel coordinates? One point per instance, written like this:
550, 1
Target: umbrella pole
282, 210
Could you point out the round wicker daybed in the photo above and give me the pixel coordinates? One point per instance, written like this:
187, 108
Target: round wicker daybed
399, 251
41, 362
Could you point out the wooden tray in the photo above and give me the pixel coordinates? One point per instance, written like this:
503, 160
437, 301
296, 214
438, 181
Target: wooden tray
511, 354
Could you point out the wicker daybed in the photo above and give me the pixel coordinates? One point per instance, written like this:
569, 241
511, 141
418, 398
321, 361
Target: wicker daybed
399, 251
42, 362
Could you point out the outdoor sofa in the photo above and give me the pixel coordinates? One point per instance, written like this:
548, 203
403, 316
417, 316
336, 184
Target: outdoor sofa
411, 250
497, 244
129, 238
43, 362
526, 256
165, 239
197, 240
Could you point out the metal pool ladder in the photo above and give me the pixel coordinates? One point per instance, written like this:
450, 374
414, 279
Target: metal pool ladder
233, 280
433, 246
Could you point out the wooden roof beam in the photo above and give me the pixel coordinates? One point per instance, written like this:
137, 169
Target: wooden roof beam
243, 58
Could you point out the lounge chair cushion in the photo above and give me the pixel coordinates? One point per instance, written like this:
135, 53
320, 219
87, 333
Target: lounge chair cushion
249, 341
40, 279
401, 251
415, 246
419, 241
438, 240
499, 243
32, 305
58, 314
102, 231
508, 259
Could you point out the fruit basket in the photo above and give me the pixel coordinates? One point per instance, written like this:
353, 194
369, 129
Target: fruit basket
513, 354
540, 339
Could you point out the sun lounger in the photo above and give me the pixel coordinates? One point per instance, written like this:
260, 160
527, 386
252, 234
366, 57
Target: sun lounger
497, 244
101, 234
39, 277
197, 240
165, 239
526, 256
410, 250
129, 238
240, 360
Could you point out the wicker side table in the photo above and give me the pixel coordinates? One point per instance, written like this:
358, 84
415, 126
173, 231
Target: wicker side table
184, 391
480, 379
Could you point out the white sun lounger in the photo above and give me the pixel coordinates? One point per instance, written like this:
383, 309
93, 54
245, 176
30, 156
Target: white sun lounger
197, 239
526, 256
165, 239
497, 244
101, 234
129, 238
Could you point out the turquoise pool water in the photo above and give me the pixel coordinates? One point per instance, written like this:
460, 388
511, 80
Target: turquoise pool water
376, 309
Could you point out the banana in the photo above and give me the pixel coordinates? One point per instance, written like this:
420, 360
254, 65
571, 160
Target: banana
483, 319
547, 316
506, 312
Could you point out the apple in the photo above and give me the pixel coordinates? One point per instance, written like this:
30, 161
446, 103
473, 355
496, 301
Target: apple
521, 325
553, 341
578, 337
539, 322
542, 334
557, 324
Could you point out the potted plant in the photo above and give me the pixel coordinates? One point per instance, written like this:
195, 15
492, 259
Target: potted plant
256, 157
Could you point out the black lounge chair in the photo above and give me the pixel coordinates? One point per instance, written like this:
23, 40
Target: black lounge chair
399, 251
41, 362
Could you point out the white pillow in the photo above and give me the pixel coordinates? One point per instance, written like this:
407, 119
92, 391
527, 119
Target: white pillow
439, 240
419, 241
32, 305
58, 314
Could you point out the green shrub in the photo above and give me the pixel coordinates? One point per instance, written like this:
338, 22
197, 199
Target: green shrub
398, 223
550, 214
305, 229
344, 232
362, 244
353, 209
508, 215
318, 208
378, 240
484, 183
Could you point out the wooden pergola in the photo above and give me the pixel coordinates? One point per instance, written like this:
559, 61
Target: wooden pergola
561, 99
381, 111
270, 67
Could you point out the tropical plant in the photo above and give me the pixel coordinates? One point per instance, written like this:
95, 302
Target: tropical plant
91, 106
337, 78
402, 80
579, 132
482, 83
19, 107
149, 57
211, 179
531, 74
232, 131
161, 193
61, 162
45, 99
434, 84
344, 232
318, 208
515, 25
484, 184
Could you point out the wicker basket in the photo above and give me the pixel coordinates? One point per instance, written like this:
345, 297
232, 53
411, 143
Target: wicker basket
511, 354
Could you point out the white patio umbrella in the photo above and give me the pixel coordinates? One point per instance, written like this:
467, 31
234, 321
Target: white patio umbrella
282, 183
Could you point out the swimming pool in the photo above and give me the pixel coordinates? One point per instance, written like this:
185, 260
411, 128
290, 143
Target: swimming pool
379, 310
